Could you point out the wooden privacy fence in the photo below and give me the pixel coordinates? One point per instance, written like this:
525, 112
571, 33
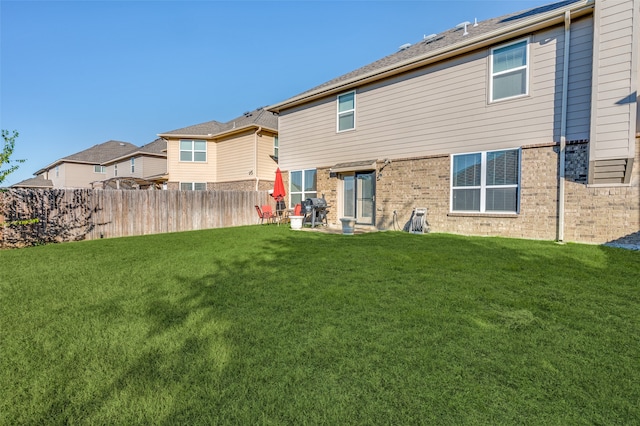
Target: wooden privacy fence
33, 216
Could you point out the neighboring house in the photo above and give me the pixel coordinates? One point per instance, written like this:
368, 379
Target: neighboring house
38, 182
240, 154
139, 167
79, 170
525, 125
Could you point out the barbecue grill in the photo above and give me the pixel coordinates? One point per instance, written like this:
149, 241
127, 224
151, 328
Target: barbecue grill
315, 211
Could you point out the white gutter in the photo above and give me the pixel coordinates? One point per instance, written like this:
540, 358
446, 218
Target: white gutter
563, 125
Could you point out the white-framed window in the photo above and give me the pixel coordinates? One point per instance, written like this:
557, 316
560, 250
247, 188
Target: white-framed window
486, 181
275, 147
99, 169
302, 185
133, 165
346, 111
193, 150
509, 70
193, 186
115, 170
57, 171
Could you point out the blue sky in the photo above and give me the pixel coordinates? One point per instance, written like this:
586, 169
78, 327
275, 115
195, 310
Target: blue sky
74, 74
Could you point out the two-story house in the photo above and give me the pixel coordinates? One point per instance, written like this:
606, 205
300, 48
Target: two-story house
79, 170
140, 167
240, 154
524, 125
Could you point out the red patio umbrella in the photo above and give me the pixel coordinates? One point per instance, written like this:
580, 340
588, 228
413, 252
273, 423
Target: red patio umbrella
278, 187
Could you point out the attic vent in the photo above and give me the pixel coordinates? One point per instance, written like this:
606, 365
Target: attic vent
247, 114
404, 46
429, 38
615, 171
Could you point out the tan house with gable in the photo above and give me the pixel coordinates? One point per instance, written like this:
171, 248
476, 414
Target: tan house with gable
526, 125
79, 170
240, 154
139, 167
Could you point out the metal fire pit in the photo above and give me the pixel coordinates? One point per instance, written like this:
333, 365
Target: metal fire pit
315, 211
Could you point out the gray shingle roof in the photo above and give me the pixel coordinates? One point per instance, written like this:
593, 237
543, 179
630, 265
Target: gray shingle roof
437, 43
257, 117
97, 154
34, 182
157, 148
100, 153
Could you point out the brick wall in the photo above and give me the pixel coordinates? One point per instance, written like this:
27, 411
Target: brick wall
592, 214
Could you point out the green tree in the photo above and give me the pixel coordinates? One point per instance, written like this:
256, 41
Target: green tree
7, 165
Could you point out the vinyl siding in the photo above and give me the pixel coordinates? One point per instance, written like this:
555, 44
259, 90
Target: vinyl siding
152, 166
614, 115
78, 175
266, 166
445, 108
190, 171
235, 159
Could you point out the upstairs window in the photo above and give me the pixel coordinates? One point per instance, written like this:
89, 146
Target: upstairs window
347, 111
133, 165
486, 182
509, 71
99, 169
193, 150
275, 147
302, 186
115, 170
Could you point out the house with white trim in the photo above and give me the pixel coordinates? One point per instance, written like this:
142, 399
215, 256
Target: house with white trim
525, 125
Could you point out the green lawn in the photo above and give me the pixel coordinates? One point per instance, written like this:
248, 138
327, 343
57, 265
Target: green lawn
264, 325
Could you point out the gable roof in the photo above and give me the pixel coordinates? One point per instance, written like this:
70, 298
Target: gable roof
157, 148
445, 45
97, 154
259, 117
34, 182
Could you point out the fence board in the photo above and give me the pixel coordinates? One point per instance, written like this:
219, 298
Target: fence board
66, 215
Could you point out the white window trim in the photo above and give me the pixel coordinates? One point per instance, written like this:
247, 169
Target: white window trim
103, 169
276, 146
193, 186
133, 164
526, 67
193, 150
302, 192
483, 183
338, 112
115, 170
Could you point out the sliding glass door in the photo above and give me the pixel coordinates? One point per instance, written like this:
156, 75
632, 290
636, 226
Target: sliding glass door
359, 197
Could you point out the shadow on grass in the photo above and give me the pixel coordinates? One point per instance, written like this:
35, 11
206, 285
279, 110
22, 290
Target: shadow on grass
268, 325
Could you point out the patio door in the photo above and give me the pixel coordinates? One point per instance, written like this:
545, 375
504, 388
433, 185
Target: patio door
359, 197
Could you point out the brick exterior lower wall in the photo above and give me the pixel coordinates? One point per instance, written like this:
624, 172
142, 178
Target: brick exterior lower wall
592, 214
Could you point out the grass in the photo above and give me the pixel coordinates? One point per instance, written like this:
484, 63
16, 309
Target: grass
263, 325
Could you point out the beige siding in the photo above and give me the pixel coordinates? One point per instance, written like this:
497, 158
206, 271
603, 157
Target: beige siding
266, 166
188, 171
152, 166
236, 159
445, 108
75, 175
613, 109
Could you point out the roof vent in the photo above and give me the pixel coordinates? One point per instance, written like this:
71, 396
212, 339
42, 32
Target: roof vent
464, 25
404, 46
429, 38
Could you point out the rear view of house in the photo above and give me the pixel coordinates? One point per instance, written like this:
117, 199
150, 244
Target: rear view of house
526, 125
240, 154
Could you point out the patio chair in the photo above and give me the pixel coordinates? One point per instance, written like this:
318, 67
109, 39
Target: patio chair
264, 213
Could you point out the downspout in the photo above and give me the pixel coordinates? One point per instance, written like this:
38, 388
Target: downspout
563, 125
255, 155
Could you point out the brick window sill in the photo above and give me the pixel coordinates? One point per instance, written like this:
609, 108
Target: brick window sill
488, 215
